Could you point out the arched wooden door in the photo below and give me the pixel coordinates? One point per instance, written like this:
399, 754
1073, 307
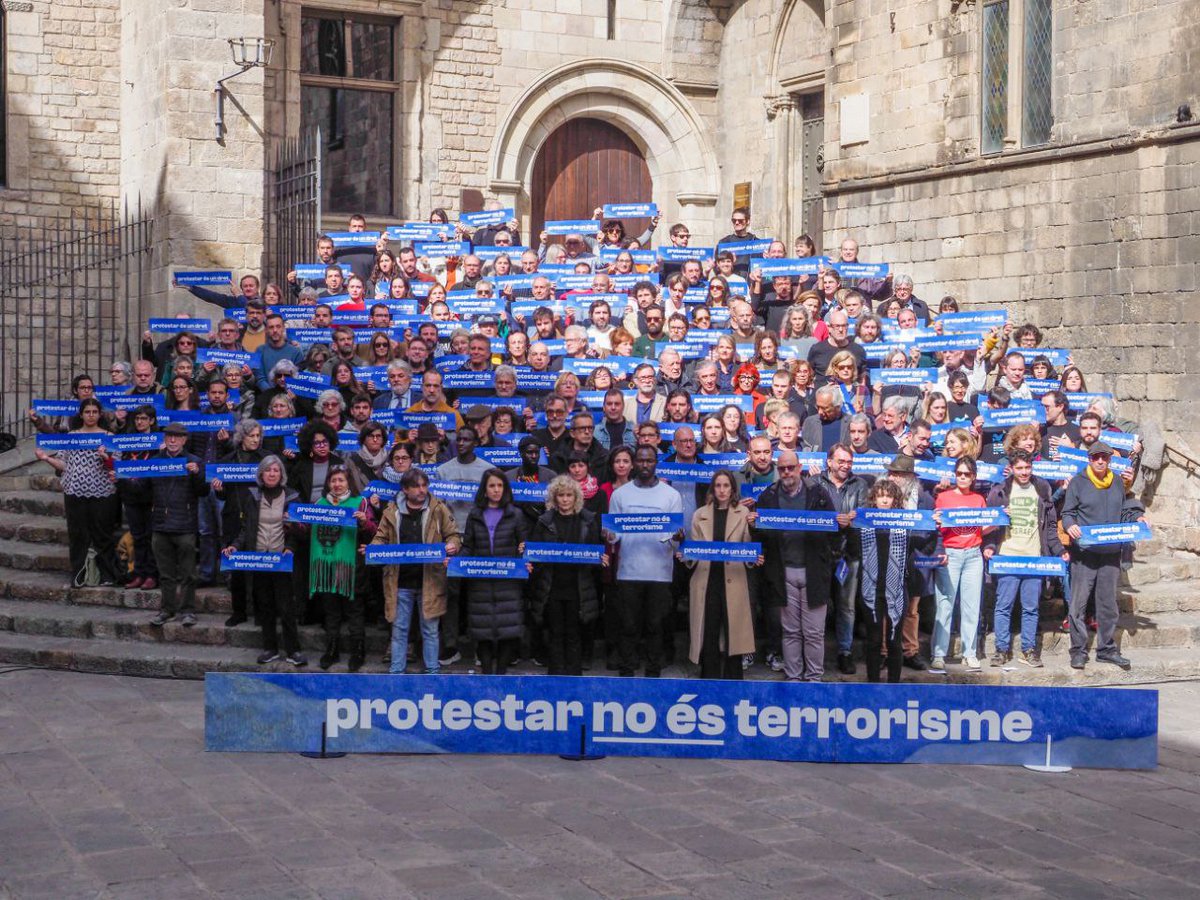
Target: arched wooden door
586, 163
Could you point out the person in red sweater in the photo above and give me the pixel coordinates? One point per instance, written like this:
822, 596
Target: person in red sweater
961, 574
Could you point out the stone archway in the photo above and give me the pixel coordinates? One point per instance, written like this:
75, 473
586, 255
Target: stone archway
653, 113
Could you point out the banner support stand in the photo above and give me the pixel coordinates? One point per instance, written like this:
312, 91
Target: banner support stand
583, 755
1046, 768
309, 754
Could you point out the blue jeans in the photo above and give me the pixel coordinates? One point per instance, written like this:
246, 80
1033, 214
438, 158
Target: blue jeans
845, 595
961, 578
209, 508
406, 598
1008, 588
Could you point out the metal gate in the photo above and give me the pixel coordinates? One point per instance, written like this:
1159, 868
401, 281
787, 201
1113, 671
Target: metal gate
812, 151
293, 206
70, 303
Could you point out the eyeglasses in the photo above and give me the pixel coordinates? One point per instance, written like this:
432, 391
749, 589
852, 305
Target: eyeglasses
320, 442
739, 221
963, 475
583, 427
782, 468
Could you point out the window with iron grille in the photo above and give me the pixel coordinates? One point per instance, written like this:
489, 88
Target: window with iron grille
1037, 72
349, 87
995, 76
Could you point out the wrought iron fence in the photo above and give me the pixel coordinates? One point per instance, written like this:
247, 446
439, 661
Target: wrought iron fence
71, 286
293, 205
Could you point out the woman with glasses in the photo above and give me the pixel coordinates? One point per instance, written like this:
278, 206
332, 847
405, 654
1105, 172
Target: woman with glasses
181, 395
381, 350
960, 578
331, 409
184, 349
120, 373
843, 373
599, 379
717, 294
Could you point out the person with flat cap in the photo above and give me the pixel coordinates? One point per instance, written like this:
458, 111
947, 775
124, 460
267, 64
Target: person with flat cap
479, 417
174, 518
1096, 497
431, 450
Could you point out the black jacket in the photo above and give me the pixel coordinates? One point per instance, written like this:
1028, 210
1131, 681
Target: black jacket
245, 535
232, 493
300, 475
852, 496
495, 606
1047, 516
542, 579
818, 551
174, 506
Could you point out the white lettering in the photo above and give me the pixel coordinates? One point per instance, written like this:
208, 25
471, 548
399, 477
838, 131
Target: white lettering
456, 714
1017, 726
339, 716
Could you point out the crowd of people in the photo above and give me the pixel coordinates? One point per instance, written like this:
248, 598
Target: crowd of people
446, 385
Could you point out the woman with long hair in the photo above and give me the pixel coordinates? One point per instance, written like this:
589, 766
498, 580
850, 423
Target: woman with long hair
961, 576
882, 598
181, 395
734, 421
721, 623
495, 606
712, 435
725, 355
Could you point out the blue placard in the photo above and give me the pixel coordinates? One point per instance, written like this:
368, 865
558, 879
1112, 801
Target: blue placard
442, 249
1119, 440
1057, 469
352, 318
992, 473
492, 403
626, 282
503, 457
629, 210
538, 714
528, 492
913, 377
1123, 533
488, 254
686, 473
928, 562
467, 380
56, 407
937, 469
975, 321
223, 357
133, 442
796, 520
487, 567
580, 554
353, 238
518, 281
710, 403
968, 517
1079, 401
1057, 356
571, 226
444, 421
176, 326
133, 401
77, 441
1040, 386
316, 271
756, 247
1044, 566
861, 270
674, 254
255, 561
752, 491
155, 467
197, 421
940, 343
872, 463
775, 268
487, 217
906, 337
303, 387
419, 231
404, 554
643, 523
210, 278
722, 460
895, 519
454, 491
877, 350
310, 335
473, 307
320, 514
529, 380
384, 490
282, 427
721, 551
1031, 413
639, 257
232, 473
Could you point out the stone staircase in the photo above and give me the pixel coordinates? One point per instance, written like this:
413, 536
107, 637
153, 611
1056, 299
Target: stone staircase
45, 622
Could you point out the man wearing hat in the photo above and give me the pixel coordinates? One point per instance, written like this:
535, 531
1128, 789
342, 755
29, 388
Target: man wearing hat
479, 417
431, 450
902, 471
174, 520
1096, 497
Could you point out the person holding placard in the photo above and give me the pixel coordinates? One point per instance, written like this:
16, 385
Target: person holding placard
417, 517
136, 504
565, 598
261, 526
881, 594
495, 606
335, 578
174, 516
721, 624
1032, 531
1096, 497
89, 498
961, 577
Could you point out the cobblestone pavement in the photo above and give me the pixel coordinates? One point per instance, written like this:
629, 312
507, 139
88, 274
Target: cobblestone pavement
105, 791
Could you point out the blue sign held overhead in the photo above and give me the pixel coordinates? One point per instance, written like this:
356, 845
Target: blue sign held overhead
848, 723
176, 326
487, 217
861, 270
342, 239
775, 268
561, 227
629, 210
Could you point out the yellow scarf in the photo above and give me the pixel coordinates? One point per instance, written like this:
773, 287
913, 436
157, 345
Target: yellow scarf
1100, 483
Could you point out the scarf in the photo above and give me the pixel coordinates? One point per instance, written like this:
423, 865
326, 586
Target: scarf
390, 475
374, 460
894, 593
1099, 483
334, 551
589, 486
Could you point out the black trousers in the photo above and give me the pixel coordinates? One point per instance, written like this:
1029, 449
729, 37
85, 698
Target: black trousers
91, 522
873, 648
715, 662
564, 642
642, 608
240, 588
338, 609
273, 600
494, 656
137, 516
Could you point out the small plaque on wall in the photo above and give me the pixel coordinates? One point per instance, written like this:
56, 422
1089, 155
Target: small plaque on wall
741, 194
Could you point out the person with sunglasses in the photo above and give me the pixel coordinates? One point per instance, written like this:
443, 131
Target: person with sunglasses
960, 577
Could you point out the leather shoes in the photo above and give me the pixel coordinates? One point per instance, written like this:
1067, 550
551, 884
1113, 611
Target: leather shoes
845, 664
1078, 662
916, 662
149, 584
1115, 659
234, 621
133, 584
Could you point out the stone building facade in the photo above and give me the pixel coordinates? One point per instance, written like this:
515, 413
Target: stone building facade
1031, 153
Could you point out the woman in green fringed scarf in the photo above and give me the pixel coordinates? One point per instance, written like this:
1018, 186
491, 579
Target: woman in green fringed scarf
335, 577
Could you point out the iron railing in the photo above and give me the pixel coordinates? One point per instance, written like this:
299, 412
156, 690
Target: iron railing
70, 288
293, 205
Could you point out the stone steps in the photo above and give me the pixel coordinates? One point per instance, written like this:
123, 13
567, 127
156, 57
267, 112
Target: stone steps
50, 587
33, 503
29, 556
121, 624
34, 529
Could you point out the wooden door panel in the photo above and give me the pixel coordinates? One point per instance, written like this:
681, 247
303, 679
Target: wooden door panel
586, 163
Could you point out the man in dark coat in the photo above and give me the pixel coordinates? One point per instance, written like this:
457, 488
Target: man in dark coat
173, 517
798, 571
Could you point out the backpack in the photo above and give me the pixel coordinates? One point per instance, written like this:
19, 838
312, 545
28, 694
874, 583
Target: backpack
89, 574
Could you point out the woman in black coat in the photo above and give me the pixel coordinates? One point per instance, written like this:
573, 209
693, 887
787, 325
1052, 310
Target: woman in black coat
564, 596
495, 606
247, 441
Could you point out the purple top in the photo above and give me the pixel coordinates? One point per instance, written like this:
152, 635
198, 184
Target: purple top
491, 518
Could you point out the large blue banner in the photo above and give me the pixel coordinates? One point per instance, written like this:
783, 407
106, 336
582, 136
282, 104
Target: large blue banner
850, 723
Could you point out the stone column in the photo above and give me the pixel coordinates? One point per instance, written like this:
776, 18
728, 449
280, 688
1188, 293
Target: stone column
781, 112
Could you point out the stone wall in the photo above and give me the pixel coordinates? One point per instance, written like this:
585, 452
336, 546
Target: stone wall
63, 107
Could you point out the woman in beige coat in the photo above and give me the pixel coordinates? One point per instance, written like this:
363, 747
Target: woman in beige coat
426, 520
722, 628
